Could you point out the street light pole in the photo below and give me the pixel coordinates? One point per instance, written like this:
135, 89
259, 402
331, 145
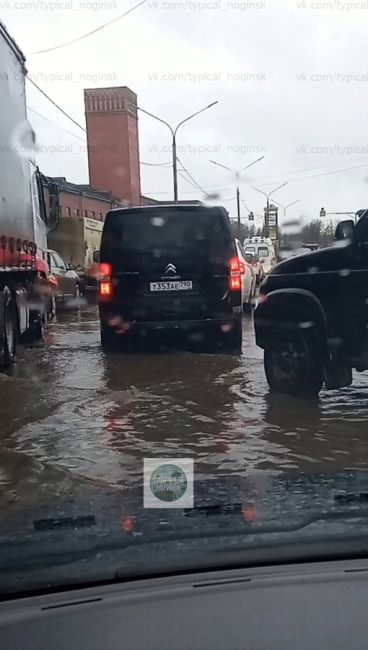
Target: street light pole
268, 200
175, 167
286, 207
173, 132
238, 202
237, 178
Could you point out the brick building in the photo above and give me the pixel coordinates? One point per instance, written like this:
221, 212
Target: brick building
84, 201
112, 138
113, 157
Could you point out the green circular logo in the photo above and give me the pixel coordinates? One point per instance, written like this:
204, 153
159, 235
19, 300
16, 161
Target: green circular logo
168, 483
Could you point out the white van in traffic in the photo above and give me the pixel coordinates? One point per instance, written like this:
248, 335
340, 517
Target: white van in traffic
264, 248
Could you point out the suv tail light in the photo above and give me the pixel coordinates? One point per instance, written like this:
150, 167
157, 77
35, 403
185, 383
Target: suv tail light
235, 274
105, 283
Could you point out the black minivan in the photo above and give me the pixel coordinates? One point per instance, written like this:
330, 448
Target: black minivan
170, 269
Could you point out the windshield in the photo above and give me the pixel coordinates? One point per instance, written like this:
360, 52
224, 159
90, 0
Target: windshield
183, 288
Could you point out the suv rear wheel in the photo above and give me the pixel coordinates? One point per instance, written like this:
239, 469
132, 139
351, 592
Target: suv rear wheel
293, 368
108, 337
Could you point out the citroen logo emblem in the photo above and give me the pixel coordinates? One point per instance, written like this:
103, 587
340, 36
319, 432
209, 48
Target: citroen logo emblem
170, 268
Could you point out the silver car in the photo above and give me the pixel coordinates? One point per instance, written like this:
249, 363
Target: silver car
64, 283
249, 280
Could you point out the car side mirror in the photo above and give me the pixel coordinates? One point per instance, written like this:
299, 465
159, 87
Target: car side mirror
96, 256
71, 267
345, 230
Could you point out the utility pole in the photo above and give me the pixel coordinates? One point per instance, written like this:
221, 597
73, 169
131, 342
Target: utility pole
173, 132
237, 179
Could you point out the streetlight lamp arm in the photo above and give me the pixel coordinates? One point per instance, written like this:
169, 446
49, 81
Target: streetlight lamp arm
260, 191
277, 188
252, 163
193, 115
157, 118
223, 166
285, 207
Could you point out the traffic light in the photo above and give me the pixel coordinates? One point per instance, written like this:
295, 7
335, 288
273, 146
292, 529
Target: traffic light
251, 216
322, 212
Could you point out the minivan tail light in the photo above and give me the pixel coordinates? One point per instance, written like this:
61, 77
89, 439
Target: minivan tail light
105, 288
105, 270
235, 274
105, 284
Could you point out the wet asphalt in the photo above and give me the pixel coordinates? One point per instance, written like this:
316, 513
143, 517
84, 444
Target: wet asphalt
72, 415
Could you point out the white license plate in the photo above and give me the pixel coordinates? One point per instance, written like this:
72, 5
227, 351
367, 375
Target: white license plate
172, 285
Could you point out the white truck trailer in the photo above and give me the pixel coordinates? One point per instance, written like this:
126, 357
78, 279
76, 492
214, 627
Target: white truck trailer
24, 217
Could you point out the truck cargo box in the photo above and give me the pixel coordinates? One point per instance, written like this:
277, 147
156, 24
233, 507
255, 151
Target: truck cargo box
20, 212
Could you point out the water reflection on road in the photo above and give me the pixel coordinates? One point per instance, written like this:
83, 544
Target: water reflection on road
72, 415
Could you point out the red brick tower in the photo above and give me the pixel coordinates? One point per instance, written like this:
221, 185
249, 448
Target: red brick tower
112, 137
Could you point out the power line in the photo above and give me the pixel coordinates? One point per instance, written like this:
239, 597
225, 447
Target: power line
94, 31
167, 165
187, 180
62, 128
336, 171
244, 203
54, 103
308, 169
191, 177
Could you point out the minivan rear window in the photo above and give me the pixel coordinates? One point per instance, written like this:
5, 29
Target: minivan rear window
263, 251
190, 232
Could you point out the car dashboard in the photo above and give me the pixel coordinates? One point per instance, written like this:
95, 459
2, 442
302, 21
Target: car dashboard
304, 606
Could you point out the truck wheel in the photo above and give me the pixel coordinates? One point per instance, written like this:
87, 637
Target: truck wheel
9, 330
292, 368
35, 329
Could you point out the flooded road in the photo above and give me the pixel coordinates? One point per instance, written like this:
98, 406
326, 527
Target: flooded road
73, 415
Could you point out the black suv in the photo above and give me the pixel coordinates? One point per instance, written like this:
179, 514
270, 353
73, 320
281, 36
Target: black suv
312, 316
170, 269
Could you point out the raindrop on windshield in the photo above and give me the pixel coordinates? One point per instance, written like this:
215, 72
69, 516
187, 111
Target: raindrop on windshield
157, 221
23, 140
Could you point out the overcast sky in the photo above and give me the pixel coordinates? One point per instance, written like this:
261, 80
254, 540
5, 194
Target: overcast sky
291, 82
